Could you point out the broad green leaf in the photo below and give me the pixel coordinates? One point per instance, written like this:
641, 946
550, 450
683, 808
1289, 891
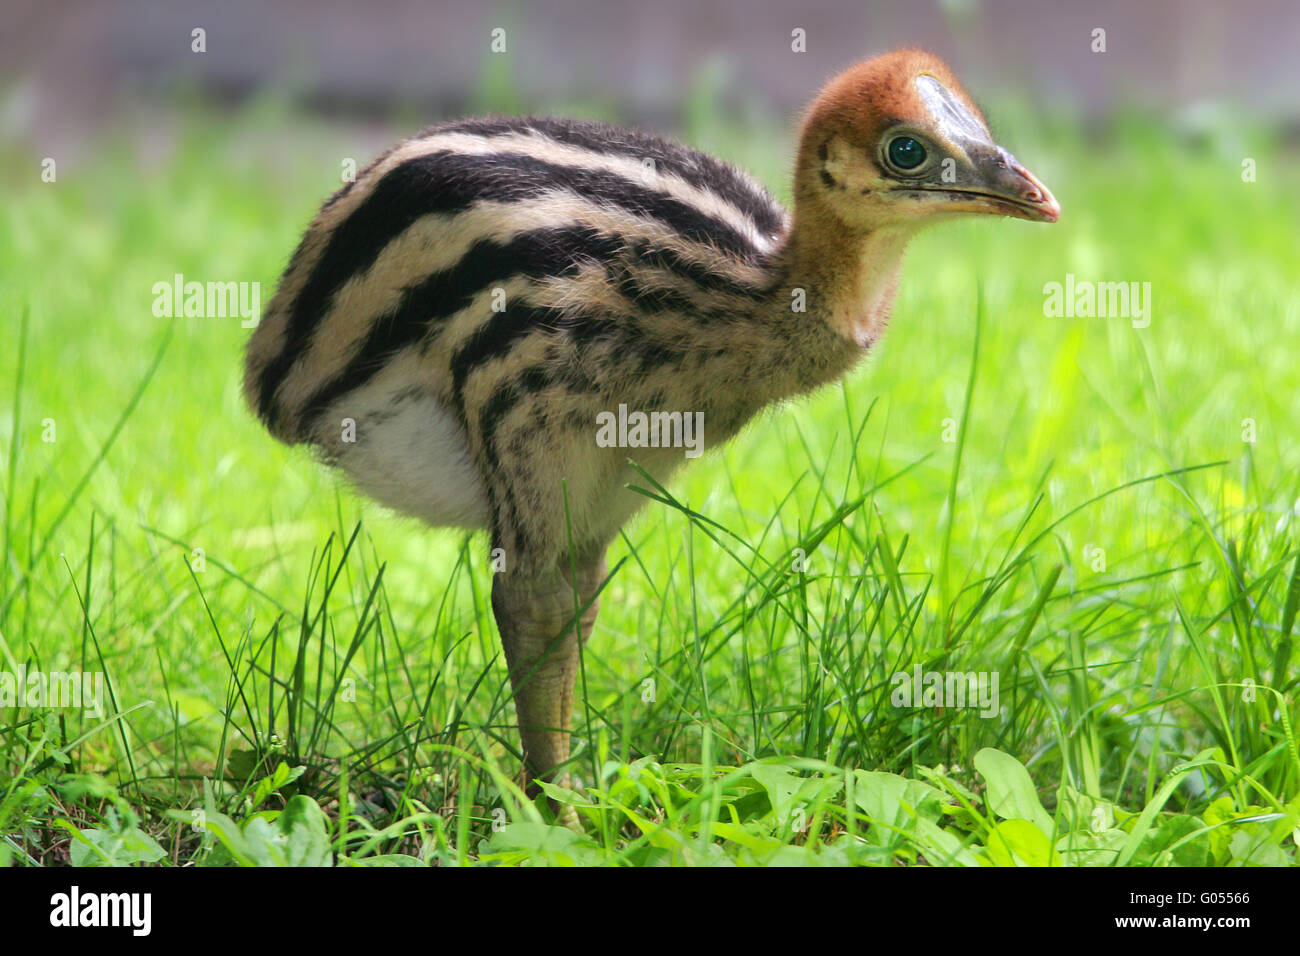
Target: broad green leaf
282, 776
942, 848
893, 803
1256, 849
1021, 843
786, 790
538, 842
1085, 848
303, 826
1179, 838
1011, 794
96, 846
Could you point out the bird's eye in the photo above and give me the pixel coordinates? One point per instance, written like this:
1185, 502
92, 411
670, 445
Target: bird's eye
906, 152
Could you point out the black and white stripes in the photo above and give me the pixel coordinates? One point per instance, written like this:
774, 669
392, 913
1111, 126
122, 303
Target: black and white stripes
581, 227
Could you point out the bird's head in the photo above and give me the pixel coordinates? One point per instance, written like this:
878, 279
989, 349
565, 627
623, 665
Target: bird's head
896, 141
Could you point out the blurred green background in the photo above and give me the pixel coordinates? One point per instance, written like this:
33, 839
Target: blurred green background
1173, 154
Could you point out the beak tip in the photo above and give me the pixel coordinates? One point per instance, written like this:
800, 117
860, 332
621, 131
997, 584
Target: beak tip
1039, 195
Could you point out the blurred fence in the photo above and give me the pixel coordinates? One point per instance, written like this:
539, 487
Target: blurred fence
66, 63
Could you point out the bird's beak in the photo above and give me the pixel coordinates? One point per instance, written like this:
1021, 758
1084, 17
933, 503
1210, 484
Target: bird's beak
997, 184
979, 176
1021, 192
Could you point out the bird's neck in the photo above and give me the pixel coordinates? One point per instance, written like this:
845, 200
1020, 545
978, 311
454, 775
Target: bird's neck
852, 276
833, 288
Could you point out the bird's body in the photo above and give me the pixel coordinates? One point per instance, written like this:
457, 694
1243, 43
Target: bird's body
456, 322
479, 295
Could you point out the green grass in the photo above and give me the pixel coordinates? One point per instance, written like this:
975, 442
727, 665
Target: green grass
297, 676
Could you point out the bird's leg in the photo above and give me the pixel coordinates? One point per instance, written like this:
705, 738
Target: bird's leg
535, 615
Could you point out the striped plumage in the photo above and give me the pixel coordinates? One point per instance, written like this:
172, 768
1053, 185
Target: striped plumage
626, 269
454, 321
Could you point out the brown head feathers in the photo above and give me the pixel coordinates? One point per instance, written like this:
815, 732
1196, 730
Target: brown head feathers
866, 99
